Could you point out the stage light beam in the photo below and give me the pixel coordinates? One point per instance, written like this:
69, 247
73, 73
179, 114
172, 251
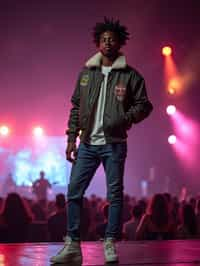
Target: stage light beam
175, 84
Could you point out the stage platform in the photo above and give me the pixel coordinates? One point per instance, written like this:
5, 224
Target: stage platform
154, 253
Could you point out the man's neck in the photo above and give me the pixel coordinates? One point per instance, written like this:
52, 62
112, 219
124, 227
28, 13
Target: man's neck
108, 61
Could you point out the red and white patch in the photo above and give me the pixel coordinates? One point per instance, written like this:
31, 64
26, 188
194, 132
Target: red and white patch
120, 92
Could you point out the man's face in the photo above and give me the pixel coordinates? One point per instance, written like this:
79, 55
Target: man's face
109, 44
42, 174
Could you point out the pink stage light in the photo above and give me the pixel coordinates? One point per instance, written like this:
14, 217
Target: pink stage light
171, 110
4, 130
172, 139
38, 131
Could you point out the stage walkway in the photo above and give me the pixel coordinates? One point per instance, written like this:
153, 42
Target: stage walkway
154, 253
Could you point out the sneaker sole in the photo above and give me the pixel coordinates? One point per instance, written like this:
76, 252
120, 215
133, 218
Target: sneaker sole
77, 259
112, 261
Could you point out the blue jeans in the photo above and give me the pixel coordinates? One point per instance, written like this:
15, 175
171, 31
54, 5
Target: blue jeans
88, 160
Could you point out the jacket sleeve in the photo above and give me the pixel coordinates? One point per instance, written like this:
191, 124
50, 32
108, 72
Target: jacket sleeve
140, 107
73, 122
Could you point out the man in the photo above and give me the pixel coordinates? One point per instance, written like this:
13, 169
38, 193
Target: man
130, 227
57, 222
9, 185
40, 187
109, 97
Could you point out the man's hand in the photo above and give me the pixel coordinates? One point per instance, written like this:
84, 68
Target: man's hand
71, 152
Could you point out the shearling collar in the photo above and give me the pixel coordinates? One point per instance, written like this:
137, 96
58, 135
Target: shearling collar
95, 61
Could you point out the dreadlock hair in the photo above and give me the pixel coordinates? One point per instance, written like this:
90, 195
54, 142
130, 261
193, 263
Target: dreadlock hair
110, 25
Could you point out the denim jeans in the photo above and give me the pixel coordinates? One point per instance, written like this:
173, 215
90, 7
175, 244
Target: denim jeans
112, 156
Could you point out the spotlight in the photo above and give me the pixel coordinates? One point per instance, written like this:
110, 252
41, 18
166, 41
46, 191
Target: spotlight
171, 110
167, 51
172, 139
4, 130
38, 132
171, 90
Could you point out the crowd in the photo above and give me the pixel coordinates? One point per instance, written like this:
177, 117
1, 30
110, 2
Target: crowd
159, 218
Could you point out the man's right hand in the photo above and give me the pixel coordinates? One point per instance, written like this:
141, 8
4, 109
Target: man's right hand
71, 152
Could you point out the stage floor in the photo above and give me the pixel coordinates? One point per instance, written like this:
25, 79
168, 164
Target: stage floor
154, 253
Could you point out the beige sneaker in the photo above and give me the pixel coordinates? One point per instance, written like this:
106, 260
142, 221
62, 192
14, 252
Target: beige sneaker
110, 252
70, 253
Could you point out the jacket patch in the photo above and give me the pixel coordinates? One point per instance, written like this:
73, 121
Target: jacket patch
84, 80
120, 92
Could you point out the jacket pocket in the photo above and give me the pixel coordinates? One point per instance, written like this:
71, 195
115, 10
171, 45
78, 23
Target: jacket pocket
124, 119
116, 122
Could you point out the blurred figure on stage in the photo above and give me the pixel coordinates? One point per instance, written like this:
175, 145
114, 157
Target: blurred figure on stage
9, 185
40, 187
